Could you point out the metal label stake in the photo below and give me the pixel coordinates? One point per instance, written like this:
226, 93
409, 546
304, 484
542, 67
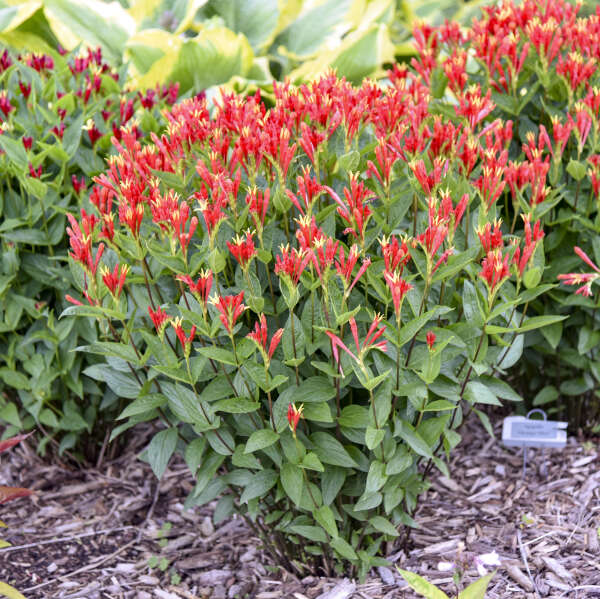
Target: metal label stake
523, 431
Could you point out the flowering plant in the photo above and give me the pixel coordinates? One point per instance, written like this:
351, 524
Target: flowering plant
310, 298
57, 116
537, 63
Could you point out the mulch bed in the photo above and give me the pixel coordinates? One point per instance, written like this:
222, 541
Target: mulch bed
92, 534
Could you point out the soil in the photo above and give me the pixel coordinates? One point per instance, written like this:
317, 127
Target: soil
94, 534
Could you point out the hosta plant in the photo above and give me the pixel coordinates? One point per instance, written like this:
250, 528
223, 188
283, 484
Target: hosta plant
310, 298
57, 117
538, 63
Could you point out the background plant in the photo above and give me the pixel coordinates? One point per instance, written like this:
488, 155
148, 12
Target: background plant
310, 298
58, 116
246, 43
539, 67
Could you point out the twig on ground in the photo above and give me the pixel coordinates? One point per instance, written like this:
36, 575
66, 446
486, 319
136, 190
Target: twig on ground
66, 539
524, 558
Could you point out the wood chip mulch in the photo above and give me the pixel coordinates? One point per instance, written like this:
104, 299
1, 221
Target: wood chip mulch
100, 534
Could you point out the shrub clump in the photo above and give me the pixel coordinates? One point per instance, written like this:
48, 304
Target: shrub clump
58, 114
539, 65
311, 298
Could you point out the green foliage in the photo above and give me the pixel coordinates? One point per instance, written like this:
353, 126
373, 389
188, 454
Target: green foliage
245, 43
59, 116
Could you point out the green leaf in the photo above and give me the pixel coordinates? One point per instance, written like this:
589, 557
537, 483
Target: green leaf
477, 392
354, 416
312, 462
312, 389
530, 324
292, 481
439, 405
576, 169
14, 379
383, 525
187, 406
324, 516
546, 395
143, 404
313, 533
373, 437
161, 449
330, 451
261, 439
218, 355
10, 592
213, 57
343, 548
477, 589
91, 22
262, 482
332, 481
193, 454
420, 585
376, 477
414, 440
236, 405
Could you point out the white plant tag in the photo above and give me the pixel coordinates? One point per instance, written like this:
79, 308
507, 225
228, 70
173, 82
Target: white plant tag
519, 431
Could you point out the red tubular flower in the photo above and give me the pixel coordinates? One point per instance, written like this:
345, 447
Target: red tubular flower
115, 280
430, 338
160, 319
258, 203
490, 184
355, 210
201, 288
398, 288
186, 341
213, 215
494, 270
575, 69
78, 185
292, 263
58, 130
344, 266
373, 334
395, 255
429, 182
36, 173
5, 106
473, 106
577, 278
309, 190
230, 308
385, 162
93, 132
491, 238
242, 249
25, 89
293, 415
323, 255
81, 242
27, 142
259, 336
308, 234
132, 216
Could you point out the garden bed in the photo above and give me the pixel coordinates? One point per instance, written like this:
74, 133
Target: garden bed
92, 533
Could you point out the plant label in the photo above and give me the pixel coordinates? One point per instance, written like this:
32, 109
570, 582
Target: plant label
519, 431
